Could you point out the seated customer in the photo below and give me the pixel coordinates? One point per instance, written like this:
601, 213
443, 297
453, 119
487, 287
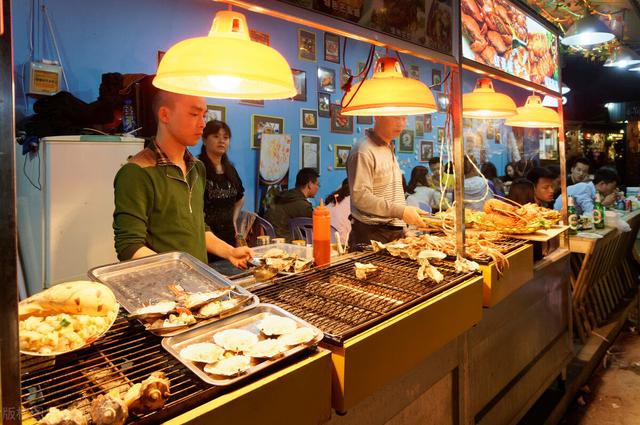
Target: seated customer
293, 203
522, 191
605, 181
578, 170
543, 186
419, 193
339, 204
476, 189
490, 172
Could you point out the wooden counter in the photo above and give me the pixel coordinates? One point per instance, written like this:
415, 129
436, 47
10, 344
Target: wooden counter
496, 286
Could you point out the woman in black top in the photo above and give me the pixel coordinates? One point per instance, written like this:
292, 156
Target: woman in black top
224, 193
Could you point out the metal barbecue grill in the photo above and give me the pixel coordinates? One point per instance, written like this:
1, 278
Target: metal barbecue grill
341, 305
504, 245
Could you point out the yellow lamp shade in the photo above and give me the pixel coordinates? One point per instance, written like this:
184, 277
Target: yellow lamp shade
225, 64
534, 115
388, 93
485, 103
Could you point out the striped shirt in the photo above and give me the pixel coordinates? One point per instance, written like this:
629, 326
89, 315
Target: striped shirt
375, 182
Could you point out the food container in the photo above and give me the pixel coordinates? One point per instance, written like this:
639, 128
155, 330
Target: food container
138, 283
247, 320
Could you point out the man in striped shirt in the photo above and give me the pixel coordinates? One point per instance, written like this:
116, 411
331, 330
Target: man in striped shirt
378, 207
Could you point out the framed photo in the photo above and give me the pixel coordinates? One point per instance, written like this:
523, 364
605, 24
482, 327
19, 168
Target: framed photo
326, 80
419, 126
216, 112
440, 135
264, 124
364, 120
300, 81
428, 127
339, 122
308, 119
414, 72
406, 141
340, 155
259, 37
491, 131
498, 138
436, 79
345, 73
426, 150
442, 102
306, 45
310, 151
324, 102
252, 102
331, 47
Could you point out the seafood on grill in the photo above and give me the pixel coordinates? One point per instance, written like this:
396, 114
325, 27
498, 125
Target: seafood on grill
230, 366
202, 352
109, 409
266, 349
148, 395
426, 269
235, 339
297, 337
462, 265
182, 319
155, 310
222, 307
63, 417
515, 218
365, 270
274, 325
276, 260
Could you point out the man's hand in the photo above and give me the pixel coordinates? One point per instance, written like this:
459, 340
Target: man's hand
239, 256
413, 216
610, 199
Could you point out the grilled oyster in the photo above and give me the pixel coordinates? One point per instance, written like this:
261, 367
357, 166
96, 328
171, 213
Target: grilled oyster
223, 307
173, 322
198, 299
364, 270
273, 325
203, 352
154, 311
231, 366
298, 336
235, 339
275, 253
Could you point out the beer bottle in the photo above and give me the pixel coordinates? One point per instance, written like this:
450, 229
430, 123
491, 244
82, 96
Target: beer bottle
598, 213
573, 217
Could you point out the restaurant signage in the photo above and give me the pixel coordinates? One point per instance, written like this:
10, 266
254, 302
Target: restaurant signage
498, 34
427, 23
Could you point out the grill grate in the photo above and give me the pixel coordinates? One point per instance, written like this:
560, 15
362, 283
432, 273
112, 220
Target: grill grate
127, 354
341, 305
504, 245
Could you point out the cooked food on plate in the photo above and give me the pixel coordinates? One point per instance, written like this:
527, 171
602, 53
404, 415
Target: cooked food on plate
230, 366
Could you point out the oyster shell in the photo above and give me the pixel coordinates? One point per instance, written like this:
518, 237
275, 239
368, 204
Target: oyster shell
266, 349
235, 339
203, 352
462, 265
364, 270
298, 336
198, 299
154, 311
275, 253
231, 366
173, 322
273, 325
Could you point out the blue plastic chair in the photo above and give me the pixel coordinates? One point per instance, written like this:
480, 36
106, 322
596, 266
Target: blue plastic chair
302, 229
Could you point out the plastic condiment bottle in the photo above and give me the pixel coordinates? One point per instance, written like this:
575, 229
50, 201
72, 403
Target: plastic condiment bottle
321, 235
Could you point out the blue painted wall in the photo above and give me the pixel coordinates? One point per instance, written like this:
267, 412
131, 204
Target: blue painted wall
124, 36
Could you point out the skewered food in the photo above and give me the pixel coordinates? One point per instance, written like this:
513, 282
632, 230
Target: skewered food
235, 339
365, 270
148, 395
109, 409
299, 336
231, 366
273, 325
203, 352
63, 417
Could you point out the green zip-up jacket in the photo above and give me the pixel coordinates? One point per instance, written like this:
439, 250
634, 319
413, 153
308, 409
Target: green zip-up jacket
156, 207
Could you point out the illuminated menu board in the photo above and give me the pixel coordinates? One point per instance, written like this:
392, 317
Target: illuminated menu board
498, 34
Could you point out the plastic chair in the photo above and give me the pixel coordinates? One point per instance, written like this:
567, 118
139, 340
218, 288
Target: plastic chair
302, 229
263, 227
251, 225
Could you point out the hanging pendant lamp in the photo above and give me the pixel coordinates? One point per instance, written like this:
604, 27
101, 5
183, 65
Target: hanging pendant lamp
534, 115
225, 64
622, 57
587, 31
387, 93
485, 103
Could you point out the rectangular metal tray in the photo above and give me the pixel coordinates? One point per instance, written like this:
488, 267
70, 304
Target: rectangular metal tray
246, 320
136, 283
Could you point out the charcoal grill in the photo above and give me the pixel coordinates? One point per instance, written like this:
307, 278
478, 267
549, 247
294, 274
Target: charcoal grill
341, 305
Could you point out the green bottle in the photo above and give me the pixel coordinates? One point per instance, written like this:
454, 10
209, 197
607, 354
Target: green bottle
598, 213
573, 217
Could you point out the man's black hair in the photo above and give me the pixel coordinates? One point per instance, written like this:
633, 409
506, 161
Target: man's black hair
578, 159
306, 175
538, 173
605, 174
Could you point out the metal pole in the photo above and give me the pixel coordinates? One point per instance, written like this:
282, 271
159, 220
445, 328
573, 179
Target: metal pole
458, 142
9, 355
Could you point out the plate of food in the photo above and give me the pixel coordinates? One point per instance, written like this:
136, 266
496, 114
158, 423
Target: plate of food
66, 317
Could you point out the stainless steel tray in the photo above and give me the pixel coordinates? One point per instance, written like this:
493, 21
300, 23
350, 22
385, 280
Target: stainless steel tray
136, 283
246, 320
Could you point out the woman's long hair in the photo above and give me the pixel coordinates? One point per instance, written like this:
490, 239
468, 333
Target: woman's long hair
418, 178
341, 193
229, 171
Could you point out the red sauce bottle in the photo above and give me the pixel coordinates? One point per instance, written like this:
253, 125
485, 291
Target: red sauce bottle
321, 235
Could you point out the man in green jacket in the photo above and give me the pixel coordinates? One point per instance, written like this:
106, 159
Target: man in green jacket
159, 192
293, 203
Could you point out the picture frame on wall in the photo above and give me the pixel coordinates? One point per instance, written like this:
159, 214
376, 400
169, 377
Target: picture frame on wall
252, 102
441, 101
419, 126
364, 120
406, 143
300, 82
306, 45
216, 112
340, 155
436, 79
428, 126
310, 151
308, 119
491, 131
426, 150
324, 105
345, 73
331, 47
326, 80
264, 124
440, 135
260, 37
340, 123
414, 72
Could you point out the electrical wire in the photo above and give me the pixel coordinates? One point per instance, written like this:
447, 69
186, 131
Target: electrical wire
55, 44
24, 171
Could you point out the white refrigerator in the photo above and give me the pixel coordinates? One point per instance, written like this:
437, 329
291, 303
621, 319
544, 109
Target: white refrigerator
65, 206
